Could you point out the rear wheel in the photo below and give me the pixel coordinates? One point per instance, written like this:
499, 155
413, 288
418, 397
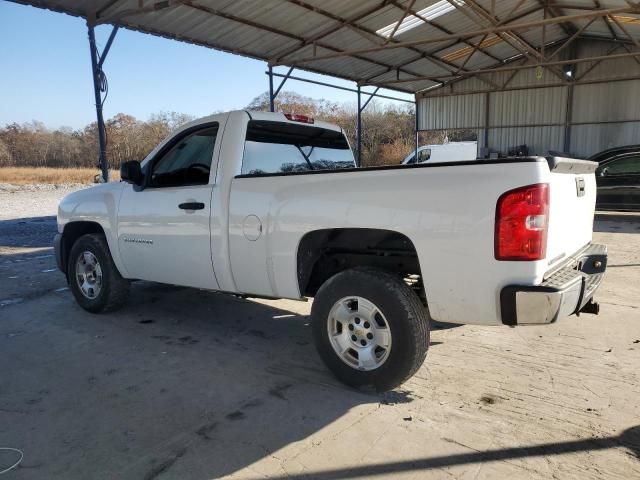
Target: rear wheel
370, 328
93, 277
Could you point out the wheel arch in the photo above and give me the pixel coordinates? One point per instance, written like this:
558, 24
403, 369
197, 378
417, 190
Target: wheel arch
71, 233
323, 253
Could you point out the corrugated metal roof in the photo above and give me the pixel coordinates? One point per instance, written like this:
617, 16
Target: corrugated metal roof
296, 31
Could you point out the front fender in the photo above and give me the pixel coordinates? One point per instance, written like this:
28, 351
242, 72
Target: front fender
98, 204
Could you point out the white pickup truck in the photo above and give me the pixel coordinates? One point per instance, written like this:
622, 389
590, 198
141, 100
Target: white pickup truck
271, 205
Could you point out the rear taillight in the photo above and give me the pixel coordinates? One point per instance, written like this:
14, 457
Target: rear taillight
299, 118
522, 219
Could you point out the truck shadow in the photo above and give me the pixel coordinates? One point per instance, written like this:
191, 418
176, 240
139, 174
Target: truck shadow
184, 383
629, 439
32, 232
617, 222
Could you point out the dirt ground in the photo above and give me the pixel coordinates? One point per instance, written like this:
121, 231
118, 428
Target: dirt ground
187, 384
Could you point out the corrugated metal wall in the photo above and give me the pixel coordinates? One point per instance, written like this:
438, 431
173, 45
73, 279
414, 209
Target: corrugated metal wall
601, 115
605, 115
467, 111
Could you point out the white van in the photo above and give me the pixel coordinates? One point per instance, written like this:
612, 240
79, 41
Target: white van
447, 152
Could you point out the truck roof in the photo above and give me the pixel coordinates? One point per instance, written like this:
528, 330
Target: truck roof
279, 117
265, 116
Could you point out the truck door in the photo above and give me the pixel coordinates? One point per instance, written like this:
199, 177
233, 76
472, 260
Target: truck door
272, 151
163, 228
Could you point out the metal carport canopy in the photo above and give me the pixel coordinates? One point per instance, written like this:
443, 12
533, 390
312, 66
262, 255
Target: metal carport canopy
405, 45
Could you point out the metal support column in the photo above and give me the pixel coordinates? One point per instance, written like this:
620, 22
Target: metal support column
417, 129
98, 87
359, 131
486, 120
284, 79
271, 95
568, 114
361, 108
102, 138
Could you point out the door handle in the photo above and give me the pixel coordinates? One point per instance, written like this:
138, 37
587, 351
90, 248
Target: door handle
191, 206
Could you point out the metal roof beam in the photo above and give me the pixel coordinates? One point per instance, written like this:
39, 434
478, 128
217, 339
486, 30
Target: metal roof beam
515, 58
98, 13
457, 42
596, 63
467, 35
571, 39
103, 56
474, 50
371, 95
556, 11
440, 28
521, 43
284, 80
119, 15
338, 87
329, 31
404, 15
529, 87
625, 31
513, 75
227, 16
480, 14
606, 21
373, 36
514, 67
581, 6
626, 47
606, 39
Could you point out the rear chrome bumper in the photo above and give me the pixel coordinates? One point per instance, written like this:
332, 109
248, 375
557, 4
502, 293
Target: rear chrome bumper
564, 292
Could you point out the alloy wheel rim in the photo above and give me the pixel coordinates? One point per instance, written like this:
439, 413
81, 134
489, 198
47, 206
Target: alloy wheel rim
359, 333
89, 275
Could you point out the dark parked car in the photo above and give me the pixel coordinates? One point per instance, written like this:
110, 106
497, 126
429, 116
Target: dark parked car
618, 178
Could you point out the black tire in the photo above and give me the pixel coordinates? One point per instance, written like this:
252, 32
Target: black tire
406, 316
114, 289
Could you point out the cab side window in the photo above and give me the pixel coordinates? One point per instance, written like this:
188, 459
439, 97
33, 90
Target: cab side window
620, 166
424, 155
187, 161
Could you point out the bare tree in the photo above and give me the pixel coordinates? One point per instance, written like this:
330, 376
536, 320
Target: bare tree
387, 134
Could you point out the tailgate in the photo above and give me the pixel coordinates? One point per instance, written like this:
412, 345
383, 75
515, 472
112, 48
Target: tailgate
571, 207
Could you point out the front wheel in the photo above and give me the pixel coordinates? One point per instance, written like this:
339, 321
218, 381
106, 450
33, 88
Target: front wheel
94, 279
370, 328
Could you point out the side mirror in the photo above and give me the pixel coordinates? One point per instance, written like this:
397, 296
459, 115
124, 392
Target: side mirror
131, 172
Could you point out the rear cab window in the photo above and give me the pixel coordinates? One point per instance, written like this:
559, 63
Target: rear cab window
280, 148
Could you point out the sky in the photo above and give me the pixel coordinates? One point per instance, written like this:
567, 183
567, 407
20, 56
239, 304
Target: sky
45, 73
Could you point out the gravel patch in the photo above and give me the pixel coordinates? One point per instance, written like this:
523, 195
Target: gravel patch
29, 201
39, 187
